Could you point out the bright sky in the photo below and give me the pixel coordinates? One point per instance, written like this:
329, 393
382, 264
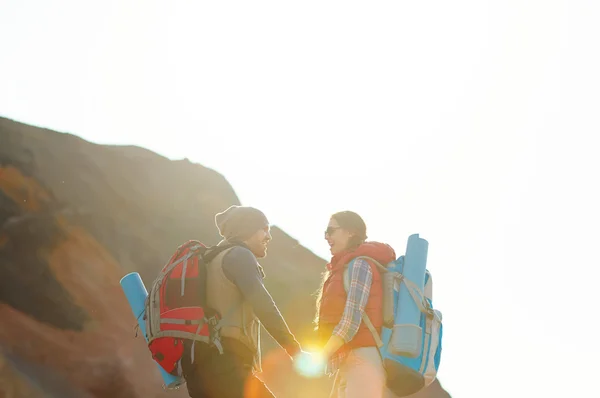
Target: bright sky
469, 122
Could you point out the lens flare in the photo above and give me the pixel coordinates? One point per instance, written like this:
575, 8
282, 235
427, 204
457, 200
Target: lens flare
309, 364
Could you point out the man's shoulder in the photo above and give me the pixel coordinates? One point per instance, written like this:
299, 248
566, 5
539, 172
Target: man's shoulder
239, 254
240, 264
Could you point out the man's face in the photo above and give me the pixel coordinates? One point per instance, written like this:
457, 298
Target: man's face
257, 243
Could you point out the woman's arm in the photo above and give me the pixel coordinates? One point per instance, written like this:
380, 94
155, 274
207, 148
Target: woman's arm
358, 296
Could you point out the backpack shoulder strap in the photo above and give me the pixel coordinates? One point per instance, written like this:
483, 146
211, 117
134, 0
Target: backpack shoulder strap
212, 252
365, 317
380, 267
348, 272
428, 291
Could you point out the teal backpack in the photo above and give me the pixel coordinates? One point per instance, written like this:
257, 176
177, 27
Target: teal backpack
410, 342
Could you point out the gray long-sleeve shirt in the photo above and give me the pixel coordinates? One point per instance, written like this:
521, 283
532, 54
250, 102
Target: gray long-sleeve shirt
241, 267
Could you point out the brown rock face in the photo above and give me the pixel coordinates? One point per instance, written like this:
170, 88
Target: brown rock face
74, 218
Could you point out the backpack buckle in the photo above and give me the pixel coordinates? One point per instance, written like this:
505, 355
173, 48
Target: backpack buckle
214, 332
428, 308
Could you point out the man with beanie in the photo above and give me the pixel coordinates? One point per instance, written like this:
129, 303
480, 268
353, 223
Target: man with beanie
236, 290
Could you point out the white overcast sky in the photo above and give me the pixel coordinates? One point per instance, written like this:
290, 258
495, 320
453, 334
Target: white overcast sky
471, 123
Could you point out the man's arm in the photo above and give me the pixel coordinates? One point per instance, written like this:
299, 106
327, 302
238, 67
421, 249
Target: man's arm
241, 267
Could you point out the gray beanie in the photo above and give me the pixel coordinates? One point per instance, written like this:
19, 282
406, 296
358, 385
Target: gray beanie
240, 222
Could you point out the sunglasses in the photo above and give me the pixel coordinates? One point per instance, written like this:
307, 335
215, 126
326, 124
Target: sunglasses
330, 230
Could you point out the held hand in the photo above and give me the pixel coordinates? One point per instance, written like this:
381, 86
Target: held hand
310, 364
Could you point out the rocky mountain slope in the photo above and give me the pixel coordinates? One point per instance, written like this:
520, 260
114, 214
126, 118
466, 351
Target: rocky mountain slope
74, 218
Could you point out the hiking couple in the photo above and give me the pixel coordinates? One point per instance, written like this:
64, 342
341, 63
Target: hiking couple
235, 289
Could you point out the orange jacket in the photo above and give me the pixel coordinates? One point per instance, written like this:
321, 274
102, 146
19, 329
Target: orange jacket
333, 298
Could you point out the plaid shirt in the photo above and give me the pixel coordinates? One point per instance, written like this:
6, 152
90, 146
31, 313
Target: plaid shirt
358, 295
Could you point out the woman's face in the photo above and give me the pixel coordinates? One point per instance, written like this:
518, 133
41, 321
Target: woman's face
337, 237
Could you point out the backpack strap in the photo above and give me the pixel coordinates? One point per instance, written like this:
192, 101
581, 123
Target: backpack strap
412, 289
365, 317
214, 251
207, 256
372, 329
417, 295
380, 267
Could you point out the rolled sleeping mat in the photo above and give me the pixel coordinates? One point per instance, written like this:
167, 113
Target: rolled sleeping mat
136, 294
406, 338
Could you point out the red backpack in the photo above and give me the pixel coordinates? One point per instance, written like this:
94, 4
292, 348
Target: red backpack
176, 306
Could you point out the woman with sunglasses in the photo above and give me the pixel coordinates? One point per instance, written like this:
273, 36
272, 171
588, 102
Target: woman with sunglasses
351, 350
